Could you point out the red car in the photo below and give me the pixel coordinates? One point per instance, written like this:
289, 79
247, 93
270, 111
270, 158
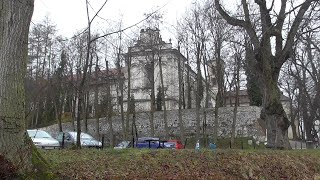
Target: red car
177, 143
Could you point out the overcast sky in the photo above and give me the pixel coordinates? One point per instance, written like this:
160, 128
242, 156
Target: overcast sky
70, 15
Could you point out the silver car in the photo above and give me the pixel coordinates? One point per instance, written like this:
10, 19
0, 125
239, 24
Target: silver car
70, 138
42, 139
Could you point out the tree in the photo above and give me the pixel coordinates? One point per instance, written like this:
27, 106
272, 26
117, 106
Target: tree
237, 66
59, 94
109, 106
128, 63
180, 77
269, 63
162, 91
15, 20
300, 80
219, 32
195, 26
43, 58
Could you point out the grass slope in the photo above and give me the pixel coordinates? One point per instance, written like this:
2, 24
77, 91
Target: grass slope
184, 164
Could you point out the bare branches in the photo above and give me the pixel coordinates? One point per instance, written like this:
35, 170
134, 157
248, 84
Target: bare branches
236, 22
231, 20
121, 30
293, 31
279, 24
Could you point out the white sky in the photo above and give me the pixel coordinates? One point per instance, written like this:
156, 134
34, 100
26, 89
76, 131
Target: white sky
70, 15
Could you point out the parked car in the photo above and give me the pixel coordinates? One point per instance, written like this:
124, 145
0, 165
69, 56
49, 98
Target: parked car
147, 142
42, 139
177, 144
153, 143
70, 138
123, 145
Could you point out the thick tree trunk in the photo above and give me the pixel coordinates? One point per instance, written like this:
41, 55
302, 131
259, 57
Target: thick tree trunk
273, 113
253, 88
15, 17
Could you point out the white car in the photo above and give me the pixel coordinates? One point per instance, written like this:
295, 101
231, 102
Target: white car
42, 139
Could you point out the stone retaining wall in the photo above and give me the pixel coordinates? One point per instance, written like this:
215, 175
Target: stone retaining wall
246, 123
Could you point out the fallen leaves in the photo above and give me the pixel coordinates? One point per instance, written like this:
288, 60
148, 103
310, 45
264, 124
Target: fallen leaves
184, 164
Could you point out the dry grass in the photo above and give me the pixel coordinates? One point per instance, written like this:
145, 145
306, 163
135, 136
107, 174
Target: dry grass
184, 164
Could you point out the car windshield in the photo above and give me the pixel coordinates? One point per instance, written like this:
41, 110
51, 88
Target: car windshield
38, 134
83, 135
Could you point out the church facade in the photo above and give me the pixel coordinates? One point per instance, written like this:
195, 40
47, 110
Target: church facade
143, 68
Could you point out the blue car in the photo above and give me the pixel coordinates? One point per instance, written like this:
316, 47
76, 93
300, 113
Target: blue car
152, 143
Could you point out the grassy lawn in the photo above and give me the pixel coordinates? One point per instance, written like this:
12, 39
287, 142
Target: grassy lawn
184, 164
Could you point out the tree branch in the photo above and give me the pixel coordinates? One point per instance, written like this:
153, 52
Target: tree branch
236, 22
279, 25
293, 30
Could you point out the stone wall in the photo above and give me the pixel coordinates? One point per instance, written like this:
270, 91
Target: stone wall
246, 123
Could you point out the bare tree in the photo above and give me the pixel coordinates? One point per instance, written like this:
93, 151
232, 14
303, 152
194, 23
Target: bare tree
219, 31
59, 99
109, 106
237, 66
270, 64
85, 70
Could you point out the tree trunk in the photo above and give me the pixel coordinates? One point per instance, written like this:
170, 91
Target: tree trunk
59, 94
272, 111
205, 70
81, 89
236, 103
166, 128
109, 107
198, 93
189, 100
15, 19
220, 83
153, 99
96, 105
181, 124
276, 119
120, 100
253, 79
128, 95
85, 110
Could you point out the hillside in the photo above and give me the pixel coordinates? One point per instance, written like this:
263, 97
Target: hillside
184, 164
